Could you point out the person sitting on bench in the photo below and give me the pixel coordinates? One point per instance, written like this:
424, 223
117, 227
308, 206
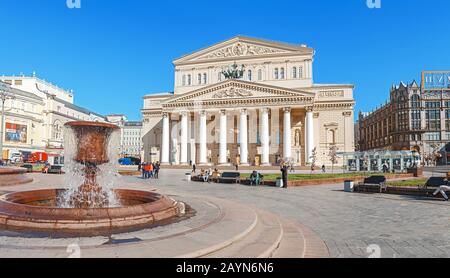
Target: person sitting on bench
255, 178
442, 189
206, 177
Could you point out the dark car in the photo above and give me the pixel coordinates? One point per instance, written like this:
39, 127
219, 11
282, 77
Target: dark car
54, 169
29, 167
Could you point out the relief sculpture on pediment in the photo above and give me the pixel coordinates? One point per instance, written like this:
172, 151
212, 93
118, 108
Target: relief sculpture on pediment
241, 49
233, 93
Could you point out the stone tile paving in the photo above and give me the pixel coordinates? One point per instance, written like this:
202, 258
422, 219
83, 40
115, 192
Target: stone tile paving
349, 223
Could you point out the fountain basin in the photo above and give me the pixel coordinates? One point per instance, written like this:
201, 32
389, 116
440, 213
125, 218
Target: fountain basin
36, 210
13, 176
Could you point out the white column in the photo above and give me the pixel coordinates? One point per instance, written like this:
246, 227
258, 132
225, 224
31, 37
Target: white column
309, 135
402, 163
287, 135
184, 138
165, 149
265, 141
202, 136
243, 137
223, 157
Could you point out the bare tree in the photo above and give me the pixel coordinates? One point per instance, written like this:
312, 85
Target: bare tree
333, 156
313, 158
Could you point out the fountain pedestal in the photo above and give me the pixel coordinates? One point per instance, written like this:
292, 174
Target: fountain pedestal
91, 151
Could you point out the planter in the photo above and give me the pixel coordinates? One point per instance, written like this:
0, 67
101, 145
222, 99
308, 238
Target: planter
417, 172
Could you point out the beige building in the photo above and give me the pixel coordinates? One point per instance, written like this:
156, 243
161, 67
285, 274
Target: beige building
247, 101
36, 114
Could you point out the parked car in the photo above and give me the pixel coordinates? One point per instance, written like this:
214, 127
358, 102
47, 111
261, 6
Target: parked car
29, 167
126, 161
53, 169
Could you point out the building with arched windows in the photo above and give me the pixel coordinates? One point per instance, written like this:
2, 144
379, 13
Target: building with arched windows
258, 106
416, 118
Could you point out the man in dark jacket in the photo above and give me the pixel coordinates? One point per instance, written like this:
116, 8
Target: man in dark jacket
284, 175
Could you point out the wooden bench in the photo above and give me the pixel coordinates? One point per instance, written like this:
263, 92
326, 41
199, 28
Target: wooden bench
435, 182
377, 181
230, 177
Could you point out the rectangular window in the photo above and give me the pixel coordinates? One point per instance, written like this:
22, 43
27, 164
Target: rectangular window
435, 136
433, 104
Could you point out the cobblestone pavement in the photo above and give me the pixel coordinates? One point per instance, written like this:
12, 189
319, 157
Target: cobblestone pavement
352, 225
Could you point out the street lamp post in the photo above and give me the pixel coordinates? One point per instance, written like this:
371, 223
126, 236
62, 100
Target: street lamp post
5, 94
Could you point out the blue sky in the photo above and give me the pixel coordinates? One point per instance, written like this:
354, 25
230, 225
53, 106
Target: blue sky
112, 52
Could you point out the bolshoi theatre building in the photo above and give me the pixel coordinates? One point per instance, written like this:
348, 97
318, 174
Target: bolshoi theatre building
251, 102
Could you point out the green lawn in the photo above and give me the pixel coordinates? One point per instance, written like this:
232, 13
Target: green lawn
296, 177
408, 183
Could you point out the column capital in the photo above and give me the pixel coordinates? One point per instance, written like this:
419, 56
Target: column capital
265, 110
223, 112
202, 113
347, 114
244, 111
165, 114
309, 109
184, 113
287, 109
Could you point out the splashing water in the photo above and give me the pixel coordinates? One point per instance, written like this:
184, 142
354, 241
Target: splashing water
106, 174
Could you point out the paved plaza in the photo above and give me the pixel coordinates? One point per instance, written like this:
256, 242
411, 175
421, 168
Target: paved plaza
351, 225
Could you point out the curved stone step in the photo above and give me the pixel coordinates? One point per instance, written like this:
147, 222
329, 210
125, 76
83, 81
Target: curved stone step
261, 242
300, 242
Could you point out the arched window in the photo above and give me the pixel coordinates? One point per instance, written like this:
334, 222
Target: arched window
300, 72
57, 131
249, 75
184, 80
189, 81
276, 73
259, 74
205, 78
294, 72
199, 79
282, 73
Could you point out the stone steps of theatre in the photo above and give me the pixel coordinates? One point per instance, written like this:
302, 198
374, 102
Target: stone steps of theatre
261, 242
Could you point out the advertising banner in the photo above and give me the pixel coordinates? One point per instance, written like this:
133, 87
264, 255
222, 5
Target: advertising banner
16, 133
436, 80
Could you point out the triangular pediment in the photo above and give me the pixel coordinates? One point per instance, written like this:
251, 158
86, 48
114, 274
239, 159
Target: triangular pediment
237, 89
241, 48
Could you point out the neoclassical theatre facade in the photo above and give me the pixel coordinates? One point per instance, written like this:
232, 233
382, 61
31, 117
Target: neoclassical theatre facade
247, 101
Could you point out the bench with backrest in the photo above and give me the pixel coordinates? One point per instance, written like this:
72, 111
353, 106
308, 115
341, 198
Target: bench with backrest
230, 177
379, 181
436, 182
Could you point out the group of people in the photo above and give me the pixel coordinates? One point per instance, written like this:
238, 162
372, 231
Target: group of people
208, 175
150, 170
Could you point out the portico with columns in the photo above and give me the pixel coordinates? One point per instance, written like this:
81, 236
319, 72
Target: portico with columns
253, 120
